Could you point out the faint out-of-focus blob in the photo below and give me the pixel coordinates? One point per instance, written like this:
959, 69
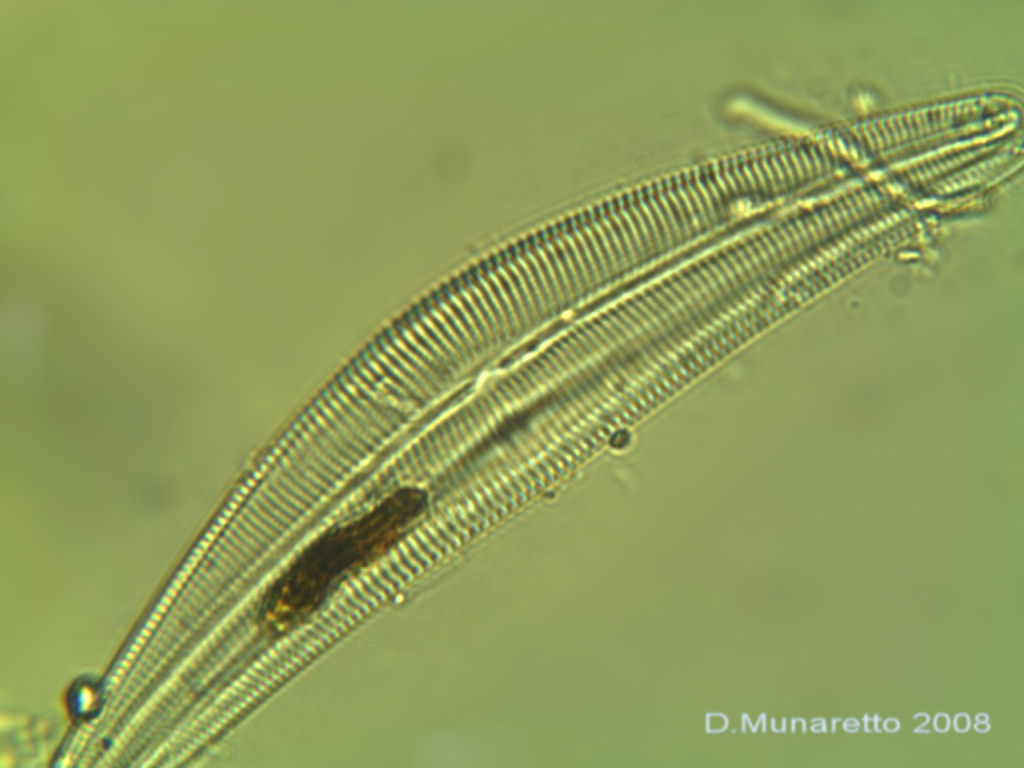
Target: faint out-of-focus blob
453, 163
22, 333
26, 741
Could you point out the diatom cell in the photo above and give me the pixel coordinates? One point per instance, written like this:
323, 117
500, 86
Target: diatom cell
497, 385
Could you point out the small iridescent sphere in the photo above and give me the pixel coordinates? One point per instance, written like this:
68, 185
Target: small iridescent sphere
84, 698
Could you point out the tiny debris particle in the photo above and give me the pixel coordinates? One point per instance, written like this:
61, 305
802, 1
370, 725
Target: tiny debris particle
620, 439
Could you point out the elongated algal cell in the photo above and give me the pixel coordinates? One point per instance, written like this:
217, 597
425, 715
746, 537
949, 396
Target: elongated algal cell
498, 384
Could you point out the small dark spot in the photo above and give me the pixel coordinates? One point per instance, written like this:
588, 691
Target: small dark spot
620, 439
106, 742
157, 492
515, 422
453, 163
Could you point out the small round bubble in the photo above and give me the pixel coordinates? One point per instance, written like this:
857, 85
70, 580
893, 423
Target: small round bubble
83, 699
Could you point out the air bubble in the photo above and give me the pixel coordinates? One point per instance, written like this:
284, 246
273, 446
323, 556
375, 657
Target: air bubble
84, 698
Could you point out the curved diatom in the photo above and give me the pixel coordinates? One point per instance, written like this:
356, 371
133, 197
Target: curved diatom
502, 381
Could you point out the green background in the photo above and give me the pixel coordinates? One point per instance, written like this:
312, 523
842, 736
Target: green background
205, 205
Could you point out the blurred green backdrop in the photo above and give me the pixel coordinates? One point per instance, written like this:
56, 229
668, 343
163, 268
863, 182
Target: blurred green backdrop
205, 206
